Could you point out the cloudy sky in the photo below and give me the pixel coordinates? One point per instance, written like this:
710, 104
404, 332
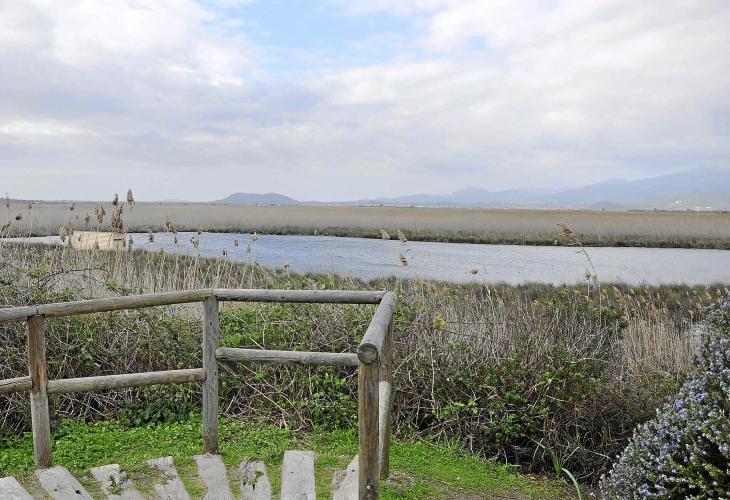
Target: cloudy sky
343, 99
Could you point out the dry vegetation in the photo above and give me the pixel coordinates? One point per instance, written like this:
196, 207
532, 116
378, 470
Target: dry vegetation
660, 229
511, 372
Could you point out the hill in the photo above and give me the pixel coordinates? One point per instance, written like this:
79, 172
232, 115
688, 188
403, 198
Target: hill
257, 199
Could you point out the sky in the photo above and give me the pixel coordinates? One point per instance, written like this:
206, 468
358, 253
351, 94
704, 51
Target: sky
350, 99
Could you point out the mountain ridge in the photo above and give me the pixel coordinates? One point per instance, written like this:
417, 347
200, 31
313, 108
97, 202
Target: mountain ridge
706, 188
702, 188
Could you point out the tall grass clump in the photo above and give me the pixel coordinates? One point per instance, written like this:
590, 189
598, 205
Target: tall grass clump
684, 451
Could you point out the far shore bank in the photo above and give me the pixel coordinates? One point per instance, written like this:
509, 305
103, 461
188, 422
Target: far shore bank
706, 230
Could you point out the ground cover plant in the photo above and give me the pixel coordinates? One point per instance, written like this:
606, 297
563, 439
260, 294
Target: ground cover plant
469, 225
529, 375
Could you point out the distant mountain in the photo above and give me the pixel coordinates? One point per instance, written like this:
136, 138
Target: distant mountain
699, 189
257, 199
705, 189
682, 184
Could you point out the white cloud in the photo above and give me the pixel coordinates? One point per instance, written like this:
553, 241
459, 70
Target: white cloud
29, 130
495, 94
597, 82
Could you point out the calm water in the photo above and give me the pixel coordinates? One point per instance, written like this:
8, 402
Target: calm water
368, 259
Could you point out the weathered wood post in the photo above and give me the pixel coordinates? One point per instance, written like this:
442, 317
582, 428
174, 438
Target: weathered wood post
211, 330
373, 353
386, 403
38, 397
367, 418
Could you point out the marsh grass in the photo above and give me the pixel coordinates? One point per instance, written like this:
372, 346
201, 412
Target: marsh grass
530, 227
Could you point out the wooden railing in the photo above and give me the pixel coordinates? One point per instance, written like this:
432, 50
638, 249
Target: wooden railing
373, 359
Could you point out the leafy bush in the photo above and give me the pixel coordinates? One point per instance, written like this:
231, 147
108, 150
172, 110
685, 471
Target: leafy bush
685, 451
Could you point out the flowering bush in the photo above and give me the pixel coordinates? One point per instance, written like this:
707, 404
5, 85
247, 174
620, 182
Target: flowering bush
684, 452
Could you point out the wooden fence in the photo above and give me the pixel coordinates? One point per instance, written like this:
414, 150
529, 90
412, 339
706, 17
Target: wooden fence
373, 359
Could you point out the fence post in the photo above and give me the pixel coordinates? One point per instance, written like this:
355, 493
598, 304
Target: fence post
211, 330
38, 397
385, 403
368, 428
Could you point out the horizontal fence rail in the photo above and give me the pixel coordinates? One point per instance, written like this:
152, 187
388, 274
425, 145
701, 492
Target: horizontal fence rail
170, 298
107, 382
301, 296
373, 360
286, 357
10, 385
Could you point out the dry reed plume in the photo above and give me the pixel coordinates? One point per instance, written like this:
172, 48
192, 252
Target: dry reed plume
572, 239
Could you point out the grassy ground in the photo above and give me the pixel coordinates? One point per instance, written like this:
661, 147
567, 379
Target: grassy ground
499, 226
419, 470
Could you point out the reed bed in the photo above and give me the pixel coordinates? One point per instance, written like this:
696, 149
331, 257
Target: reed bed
532, 227
517, 373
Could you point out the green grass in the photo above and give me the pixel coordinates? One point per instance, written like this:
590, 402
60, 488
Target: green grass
418, 470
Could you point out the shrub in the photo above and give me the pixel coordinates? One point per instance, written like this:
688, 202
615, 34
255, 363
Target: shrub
685, 451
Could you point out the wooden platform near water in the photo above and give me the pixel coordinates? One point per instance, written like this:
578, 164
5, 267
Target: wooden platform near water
97, 240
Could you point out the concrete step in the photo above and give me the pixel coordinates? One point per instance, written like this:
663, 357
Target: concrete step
61, 485
172, 488
345, 482
114, 483
297, 476
255, 484
213, 474
10, 489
